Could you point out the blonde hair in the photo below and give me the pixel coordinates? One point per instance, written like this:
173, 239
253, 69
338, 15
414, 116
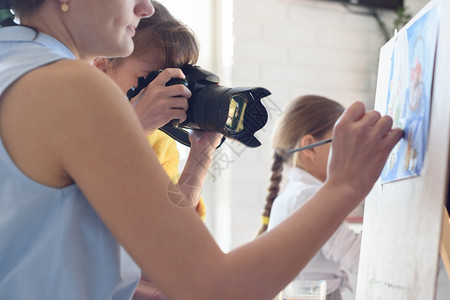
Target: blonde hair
309, 114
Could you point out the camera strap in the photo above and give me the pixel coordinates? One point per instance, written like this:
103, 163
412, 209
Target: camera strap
178, 134
182, 136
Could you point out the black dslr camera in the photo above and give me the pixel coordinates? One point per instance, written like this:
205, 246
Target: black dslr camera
237, 113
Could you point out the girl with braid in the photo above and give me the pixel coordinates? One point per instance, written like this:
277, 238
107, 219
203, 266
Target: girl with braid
307, 120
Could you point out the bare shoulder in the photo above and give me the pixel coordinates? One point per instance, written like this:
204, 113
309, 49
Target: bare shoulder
73, 89
72, 78
52, 108
68, 70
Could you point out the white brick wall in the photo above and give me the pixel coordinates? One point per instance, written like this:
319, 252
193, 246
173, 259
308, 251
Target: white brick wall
293, 48
290, 47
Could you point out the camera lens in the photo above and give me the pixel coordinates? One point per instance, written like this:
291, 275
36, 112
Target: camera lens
236, 112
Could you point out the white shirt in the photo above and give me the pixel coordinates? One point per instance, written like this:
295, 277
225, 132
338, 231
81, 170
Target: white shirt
341, 250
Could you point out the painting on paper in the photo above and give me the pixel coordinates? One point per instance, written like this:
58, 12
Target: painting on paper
409, 96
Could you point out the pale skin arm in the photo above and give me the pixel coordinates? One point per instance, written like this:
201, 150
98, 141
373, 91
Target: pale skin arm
203, 145
96, 140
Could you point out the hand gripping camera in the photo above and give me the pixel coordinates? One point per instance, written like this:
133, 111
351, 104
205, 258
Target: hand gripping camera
237, 113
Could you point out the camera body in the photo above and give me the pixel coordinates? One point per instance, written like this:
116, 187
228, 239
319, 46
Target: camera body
237, 113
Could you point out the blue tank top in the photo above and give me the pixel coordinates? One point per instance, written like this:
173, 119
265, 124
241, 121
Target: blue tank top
52, 243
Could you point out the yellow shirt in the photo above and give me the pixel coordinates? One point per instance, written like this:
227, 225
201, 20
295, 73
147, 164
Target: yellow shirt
169, 157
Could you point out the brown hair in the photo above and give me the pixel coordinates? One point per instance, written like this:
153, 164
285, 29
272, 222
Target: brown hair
21, 7
176, 41
310, 114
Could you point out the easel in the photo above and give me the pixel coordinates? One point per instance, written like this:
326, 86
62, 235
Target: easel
445, 241
403, 234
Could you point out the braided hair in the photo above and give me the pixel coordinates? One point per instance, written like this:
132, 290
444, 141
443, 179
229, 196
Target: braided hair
274, 189
309, 114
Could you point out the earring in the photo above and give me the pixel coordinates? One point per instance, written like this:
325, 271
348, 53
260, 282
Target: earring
64, 7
